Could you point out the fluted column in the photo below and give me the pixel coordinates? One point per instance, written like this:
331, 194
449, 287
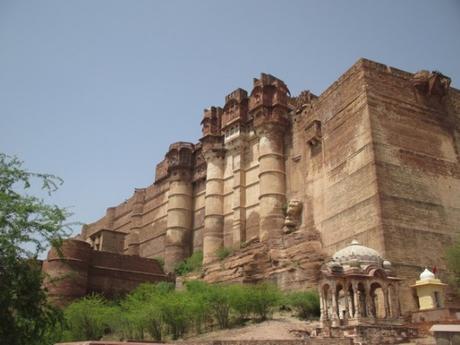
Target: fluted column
179, 218
132, 239
272, 173
213, 234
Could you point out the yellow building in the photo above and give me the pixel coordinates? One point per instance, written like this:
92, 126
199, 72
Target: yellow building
430, 291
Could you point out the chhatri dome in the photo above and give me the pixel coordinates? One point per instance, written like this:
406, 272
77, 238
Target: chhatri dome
427, 275
357, 253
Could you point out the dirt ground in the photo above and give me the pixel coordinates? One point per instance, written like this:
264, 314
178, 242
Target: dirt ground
280, 327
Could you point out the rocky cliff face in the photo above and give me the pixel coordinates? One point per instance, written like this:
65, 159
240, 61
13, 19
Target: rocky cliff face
294, 265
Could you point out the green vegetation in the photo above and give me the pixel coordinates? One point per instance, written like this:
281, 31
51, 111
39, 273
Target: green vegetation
453, 263
305, 303
160, 260
159, 312
28, 226
223, 252
194, 263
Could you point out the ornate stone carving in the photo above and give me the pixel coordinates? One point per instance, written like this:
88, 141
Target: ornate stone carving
293, 213
236, 108
431, 83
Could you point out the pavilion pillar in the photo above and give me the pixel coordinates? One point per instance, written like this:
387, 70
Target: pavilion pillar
335, 312
386, 303
347, 305
357, 299
323, 306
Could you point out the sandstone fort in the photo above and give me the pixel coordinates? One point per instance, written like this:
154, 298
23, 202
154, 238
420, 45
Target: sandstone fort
284, 182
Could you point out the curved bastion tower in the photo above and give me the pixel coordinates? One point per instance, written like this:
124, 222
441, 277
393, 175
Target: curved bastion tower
283, 181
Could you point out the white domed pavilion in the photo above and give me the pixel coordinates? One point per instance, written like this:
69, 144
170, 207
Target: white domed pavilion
356, 287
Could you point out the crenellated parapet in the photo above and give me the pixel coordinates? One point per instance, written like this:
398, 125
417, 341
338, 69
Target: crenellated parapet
235, 108
268, 103
212, 140
180, 159
211, 123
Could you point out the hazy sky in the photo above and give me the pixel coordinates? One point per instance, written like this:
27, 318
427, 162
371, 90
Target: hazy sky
95, 91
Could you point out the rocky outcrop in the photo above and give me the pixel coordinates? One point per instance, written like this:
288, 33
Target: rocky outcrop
294, 265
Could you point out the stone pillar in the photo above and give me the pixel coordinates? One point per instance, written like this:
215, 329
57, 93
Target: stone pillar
369, 302
272, 182
397, 305
323, 306
386, 303
335, 313
179, 217
132, 238
347, 305
357, 299
213, 233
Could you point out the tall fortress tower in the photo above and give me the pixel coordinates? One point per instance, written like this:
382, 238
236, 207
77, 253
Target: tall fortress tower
284, 181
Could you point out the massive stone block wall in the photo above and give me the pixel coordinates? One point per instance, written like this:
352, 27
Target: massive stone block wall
75, 271
373, 158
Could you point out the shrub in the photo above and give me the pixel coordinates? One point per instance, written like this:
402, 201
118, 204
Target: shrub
223, 252
240, 301
160, 260
305, 303
142, 311
194, 263
87, 318
176, 310
218, 300
453, 263
262, 299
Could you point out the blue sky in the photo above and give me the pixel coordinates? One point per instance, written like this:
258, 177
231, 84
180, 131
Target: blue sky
95, 91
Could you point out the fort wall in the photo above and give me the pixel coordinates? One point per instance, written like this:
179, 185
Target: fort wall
283, 181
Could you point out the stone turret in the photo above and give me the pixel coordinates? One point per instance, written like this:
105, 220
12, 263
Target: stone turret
214, 154
235, 125
179, 213
67, 271
268, 106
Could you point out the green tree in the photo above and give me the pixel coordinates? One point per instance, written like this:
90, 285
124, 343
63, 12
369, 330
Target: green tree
28, 226
453, 263
88, 318
305, 303
193, 263
262, 299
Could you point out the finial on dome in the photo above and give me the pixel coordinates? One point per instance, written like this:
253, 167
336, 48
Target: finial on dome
354, 242
427, 274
